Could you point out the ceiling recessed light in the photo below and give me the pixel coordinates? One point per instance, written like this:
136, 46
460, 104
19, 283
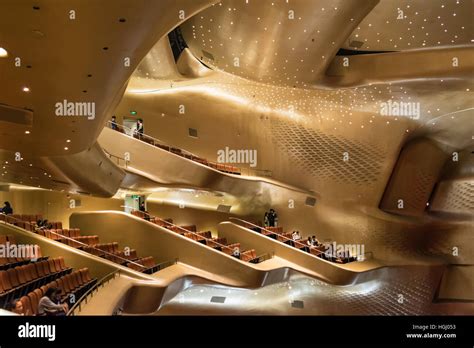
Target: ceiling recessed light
68, 141
36, 8
3, 52
26, 89
66, 148
27, 132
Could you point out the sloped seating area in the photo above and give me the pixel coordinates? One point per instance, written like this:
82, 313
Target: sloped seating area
27, 222
10, 262
27, 279
90, 244
72, 285
301, 244
149, 140
204, 237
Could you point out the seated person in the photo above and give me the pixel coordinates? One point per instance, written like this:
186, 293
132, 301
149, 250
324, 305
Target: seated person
315, 241
47, 304
309, 242
44, 224
16, 306
296, 235
7, 208
236, 253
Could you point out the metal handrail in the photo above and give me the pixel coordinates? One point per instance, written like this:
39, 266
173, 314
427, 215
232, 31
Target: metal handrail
186, 152
101, 282
263, 228
184, 230
273, 232
69, 238
187, 231
90, 246
117, 157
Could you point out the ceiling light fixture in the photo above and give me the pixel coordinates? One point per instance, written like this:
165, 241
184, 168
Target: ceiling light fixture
3, 52
27, 132
26, 89
66, 148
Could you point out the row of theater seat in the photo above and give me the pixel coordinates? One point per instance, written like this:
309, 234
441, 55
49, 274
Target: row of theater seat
29, 280
27, 221
72, 286
91, 244
73, 237
319, 251
190, 231
20, 280
149, 140
10, 262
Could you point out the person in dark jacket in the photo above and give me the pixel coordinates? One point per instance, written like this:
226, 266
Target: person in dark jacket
113, 123
7, 208
139, 130
272, 218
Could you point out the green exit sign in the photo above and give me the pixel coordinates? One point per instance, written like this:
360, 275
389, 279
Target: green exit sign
133, 112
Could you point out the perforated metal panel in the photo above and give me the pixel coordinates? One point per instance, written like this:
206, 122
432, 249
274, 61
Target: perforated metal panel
322, 154
454, 196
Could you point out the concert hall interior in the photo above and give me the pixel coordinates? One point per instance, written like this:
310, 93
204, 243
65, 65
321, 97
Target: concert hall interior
236, 157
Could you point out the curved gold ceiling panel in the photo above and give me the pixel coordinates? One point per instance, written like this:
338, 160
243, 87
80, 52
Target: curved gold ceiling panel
395, 25
79, 54
280, 42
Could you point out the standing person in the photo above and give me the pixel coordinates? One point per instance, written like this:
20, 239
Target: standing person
143, 209
113, 123
140, 128
265, 220
7, 208
272, 218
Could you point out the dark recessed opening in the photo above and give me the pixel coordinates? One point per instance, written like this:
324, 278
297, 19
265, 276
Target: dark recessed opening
193, 132
122, 20
28, 66
36, 8
89, 75
105, 48
84, 91
312, 40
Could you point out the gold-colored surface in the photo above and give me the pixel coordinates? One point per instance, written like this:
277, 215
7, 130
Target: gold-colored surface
316, 124
280, 42
73, 257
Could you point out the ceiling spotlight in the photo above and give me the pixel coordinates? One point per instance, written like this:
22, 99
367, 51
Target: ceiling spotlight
26, 89
3, 52
27, 132
66, 148
68, 141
